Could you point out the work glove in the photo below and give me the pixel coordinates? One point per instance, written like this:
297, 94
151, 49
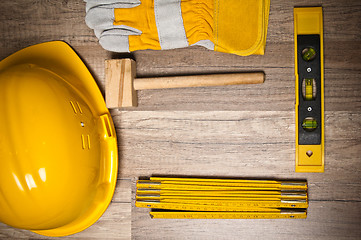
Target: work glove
232, 26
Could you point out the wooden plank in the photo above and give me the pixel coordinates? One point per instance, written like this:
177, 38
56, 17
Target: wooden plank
278, 55
325, 220
238, 144
123, 191
26, 22
114, 224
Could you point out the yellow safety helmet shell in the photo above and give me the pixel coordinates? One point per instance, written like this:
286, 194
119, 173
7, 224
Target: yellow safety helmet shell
58, 149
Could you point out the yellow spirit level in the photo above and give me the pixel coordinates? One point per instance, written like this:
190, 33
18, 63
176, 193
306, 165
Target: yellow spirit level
308, 37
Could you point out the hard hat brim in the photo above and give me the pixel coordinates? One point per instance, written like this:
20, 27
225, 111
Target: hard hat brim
59, 58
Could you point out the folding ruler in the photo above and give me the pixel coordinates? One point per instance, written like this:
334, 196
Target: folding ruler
222, 198
230, 215
308, 38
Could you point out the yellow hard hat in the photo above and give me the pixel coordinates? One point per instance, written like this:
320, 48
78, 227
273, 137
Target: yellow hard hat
58, 148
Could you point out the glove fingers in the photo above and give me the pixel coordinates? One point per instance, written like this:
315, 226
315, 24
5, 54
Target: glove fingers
111, 3
101, 19
114, 40
118, 30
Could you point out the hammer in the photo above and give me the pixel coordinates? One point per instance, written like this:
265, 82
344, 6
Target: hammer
121, 84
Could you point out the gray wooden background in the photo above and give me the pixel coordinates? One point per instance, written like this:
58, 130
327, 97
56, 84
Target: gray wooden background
232, 131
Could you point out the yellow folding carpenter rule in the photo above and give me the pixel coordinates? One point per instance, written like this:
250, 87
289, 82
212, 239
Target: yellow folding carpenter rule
220, 185
218, 194
256, 193
209, 204
222, 198
308, 38
230, 215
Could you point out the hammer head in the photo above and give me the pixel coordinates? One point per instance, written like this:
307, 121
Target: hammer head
119, 88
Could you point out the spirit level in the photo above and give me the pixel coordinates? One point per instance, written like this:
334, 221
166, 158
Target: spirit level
308, 37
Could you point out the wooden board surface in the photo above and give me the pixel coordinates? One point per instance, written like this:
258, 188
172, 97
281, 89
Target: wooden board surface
231, 131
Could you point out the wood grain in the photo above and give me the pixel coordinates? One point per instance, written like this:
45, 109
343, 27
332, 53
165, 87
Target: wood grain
340, 223
114, 224
202, 80
236, 143
231, 131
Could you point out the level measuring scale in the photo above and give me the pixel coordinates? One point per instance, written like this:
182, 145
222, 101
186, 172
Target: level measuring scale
308, 36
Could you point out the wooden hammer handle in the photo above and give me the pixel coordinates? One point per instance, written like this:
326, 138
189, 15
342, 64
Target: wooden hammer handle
198, 80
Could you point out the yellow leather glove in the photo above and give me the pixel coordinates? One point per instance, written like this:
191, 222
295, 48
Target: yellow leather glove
232, 26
